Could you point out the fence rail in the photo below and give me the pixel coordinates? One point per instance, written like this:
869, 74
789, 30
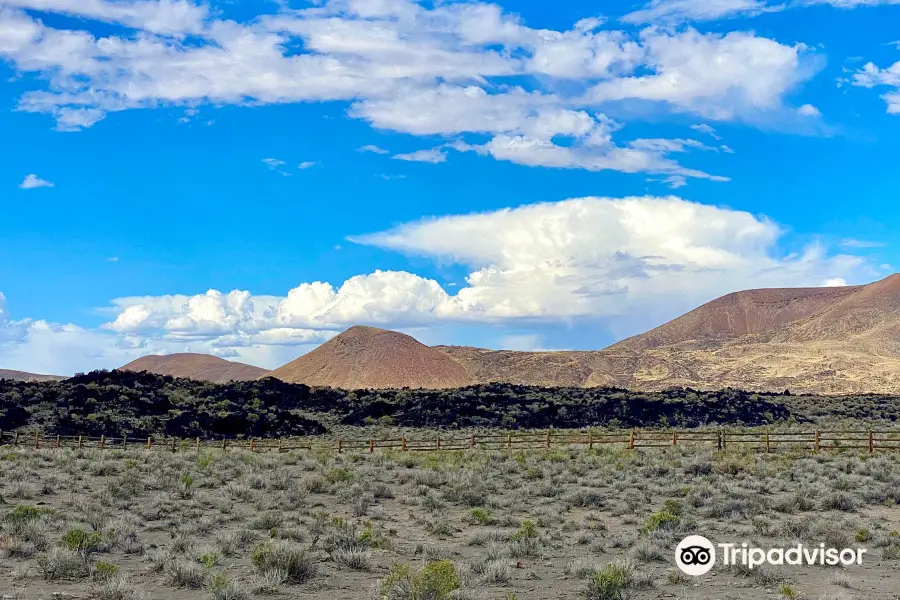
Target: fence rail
761, 440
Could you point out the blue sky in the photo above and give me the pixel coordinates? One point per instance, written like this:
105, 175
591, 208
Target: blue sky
248, 179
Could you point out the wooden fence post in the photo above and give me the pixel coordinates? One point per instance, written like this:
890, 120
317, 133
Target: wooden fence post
675, 437
224, 444
473, 440
724, 440
817, 440
631, 440
340, 446
173, 444
439, 441
508, 441
403, 443
37, 440
198, 444
124, 442
80, 442
871, 442
149, 443
102, 441
280, 445
548, 438
768, 448
251, 445
57, 441
16, 440
590, 438
371, 446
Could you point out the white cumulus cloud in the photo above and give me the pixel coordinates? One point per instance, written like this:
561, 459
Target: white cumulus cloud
619, 265
32, 181
403, 66
870, 76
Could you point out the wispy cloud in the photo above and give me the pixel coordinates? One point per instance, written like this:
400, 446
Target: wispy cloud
707, 129
32, 181
276, 165
372, 148
854, 243
307, 164
432, 156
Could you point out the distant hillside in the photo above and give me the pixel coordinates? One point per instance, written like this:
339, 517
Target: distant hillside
23, 376
813, 340
202, 367
367, 357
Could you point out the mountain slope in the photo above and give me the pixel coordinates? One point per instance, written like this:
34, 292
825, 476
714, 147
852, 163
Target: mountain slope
817, 340
23, 376
367, 357
202, 367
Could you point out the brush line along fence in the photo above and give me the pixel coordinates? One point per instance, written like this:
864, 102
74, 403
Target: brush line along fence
762, 441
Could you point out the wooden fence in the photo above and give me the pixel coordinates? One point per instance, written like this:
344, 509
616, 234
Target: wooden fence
758, 440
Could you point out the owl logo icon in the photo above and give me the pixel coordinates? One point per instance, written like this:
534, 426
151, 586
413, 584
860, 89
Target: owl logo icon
695, 555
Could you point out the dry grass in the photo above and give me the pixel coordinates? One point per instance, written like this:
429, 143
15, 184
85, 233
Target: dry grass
473, 524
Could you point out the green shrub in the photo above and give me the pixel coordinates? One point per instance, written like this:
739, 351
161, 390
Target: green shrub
480, 516
675, 507
526, 532
104, 571
84, 542
24, 513
205, 460
609, 583
863, 535
397, 573
209, 559
660, 520
339, 475
436, 580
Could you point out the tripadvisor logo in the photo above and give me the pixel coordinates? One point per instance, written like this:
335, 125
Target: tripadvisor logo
696, 555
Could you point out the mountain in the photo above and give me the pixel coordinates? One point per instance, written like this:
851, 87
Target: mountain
367, 357
818, 340
837, 340
23, 376
202, 367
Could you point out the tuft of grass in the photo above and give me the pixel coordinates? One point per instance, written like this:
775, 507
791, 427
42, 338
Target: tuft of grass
222, 588
118, 587
660, 520
480, 516
24, 513
787, 591
285, 556
104, 571
60, 563
610, 582
185, 574
83, 542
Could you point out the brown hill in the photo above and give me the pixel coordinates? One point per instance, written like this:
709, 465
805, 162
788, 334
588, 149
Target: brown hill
367, 357
740, 313
23, 376
819, 340
203, 367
